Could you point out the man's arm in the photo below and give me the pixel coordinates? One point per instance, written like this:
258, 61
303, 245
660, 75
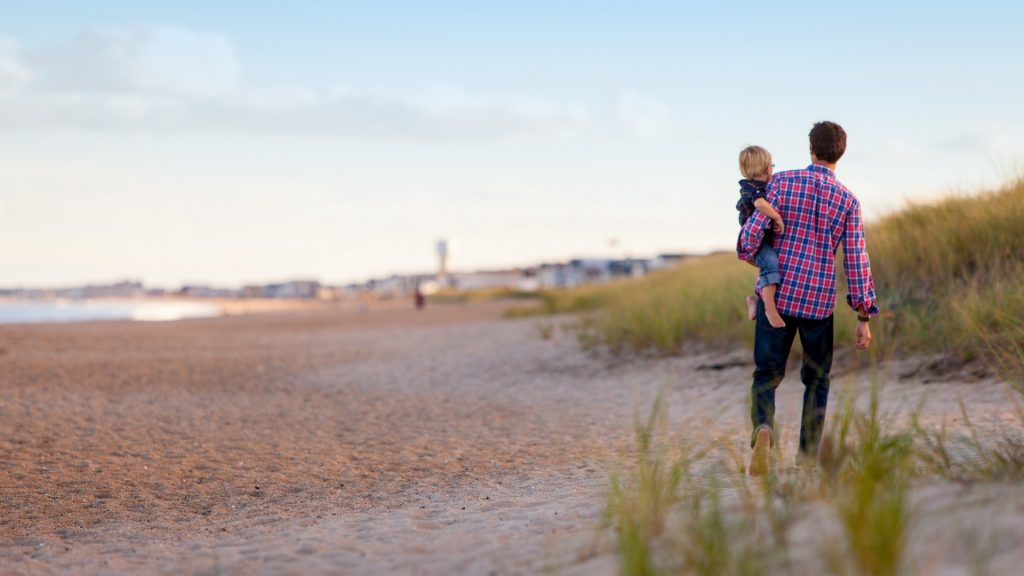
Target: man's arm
858, 267
768, 210
751, 236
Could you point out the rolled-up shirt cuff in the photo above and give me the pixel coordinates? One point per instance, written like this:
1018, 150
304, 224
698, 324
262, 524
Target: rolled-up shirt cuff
742, 253
868, 306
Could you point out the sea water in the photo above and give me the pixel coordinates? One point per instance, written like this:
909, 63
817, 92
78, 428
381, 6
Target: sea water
45, 311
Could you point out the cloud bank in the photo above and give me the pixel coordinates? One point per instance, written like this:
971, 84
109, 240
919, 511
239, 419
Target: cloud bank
157, 77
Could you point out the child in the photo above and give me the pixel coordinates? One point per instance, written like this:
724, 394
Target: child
756, 167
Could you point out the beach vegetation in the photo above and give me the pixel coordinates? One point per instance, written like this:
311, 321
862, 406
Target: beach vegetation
944, 271
698, 514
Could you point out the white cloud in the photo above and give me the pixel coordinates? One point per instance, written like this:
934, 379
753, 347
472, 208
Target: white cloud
143, 58
144, 77
986, 140
115, 111
644, 116
14, 73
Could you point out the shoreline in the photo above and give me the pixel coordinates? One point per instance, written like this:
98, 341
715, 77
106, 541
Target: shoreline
144, 309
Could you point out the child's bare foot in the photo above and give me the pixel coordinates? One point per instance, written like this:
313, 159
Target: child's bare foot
752, 306
774, 318
768, 294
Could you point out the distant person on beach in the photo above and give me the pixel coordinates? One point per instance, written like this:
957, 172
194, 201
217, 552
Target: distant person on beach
820, 214
418, 298
756, 167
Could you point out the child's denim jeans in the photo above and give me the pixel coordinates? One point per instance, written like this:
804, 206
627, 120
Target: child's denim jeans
768, 261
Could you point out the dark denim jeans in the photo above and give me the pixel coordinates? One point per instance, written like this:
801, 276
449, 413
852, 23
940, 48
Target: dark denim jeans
771, 350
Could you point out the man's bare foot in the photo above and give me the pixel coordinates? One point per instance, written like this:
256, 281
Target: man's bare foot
752, 306
762, 451
773, 317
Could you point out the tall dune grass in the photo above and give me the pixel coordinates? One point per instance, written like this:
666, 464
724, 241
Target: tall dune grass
679, 507
944, 273
951, 270
701, 299
682, 512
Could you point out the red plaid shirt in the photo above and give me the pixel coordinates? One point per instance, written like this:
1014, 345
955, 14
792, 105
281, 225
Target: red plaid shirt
819, 214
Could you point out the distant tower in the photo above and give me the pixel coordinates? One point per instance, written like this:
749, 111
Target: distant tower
442, 261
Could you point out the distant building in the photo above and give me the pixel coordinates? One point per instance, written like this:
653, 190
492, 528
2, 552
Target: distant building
594, 270
629, 268
517, 279
204, 291
329, 293
588, 270
667, 260
252, 291
553, 275
550, 275
127, 289
296, 289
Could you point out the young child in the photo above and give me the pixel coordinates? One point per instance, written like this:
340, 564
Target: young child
756, 167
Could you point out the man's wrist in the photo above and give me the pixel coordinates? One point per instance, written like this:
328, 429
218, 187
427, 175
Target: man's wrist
863, 318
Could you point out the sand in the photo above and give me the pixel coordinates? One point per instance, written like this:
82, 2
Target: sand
338, 440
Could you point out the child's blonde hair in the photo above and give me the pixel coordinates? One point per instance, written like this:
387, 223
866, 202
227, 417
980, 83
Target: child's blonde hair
755, 163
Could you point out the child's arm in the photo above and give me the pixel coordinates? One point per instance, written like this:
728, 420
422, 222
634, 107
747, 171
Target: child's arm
765, 208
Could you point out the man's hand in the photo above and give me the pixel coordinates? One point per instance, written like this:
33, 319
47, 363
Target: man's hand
863, 335
778, 226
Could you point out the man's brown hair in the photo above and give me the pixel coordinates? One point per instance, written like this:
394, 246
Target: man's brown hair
828, 141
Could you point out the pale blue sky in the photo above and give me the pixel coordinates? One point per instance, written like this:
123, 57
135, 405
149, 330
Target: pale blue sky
233, 142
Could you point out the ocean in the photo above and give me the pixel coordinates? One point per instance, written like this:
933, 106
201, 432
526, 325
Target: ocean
50, 311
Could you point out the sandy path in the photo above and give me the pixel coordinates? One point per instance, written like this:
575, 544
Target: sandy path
340, 442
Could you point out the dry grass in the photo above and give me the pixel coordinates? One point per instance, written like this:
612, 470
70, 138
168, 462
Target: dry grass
944, 272
683, 508
677, 511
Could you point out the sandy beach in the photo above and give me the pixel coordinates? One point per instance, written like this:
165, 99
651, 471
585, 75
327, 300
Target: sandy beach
373, 441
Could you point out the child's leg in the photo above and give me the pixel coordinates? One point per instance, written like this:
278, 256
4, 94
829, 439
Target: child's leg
770, 311
768, 261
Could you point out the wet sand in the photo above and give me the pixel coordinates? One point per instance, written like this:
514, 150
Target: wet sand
343, 441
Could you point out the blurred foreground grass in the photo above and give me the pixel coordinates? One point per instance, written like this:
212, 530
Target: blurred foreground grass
682, 504
944, 273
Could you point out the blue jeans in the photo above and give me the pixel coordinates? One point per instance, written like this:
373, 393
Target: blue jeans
768, 261
771, 351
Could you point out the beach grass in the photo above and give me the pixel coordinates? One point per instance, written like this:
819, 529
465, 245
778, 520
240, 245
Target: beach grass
681, 507
868, 481
944, 272
971, 456
638, 507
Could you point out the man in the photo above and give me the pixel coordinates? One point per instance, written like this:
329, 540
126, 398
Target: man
820, 214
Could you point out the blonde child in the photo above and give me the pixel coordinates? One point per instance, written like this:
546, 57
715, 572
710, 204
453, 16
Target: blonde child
756, 167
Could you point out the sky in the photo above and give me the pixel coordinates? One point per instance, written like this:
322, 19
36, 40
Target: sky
239, 142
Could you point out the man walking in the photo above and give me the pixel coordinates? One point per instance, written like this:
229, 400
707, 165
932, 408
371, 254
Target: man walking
820, 214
